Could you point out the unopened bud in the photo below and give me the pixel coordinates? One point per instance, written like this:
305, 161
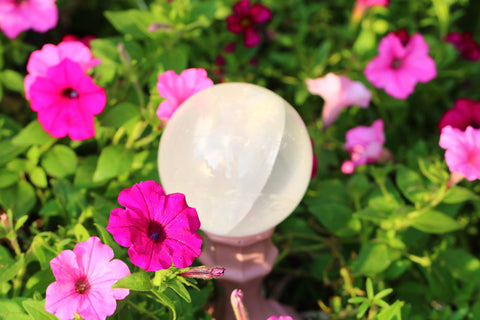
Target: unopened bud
236, 298
204, 272
4, 223
159, 26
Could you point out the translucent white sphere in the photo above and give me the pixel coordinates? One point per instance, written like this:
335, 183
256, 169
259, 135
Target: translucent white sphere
240, 154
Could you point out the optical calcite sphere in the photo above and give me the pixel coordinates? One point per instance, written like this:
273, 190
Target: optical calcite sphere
240, 154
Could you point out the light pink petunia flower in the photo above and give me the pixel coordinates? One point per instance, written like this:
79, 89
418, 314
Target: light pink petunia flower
399, 67
158, 229
84, 279
338, 92
66, 101
178, 88
51, 55
463, 151
17, 16
365, 145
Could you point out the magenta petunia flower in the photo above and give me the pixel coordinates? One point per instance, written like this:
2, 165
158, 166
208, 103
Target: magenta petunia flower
83, 39
17, 16
158, 229
372, 3
465, 112
463, 151
399, 67
338, 92
51, 55
84, 279
66, 101
280, 318
464, 43
178, 88
246, 18
364, 144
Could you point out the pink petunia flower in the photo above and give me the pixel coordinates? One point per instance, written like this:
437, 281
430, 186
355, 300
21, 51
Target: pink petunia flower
463, 151
51, 55
178, 88
17, 16
246, 18
465, 112
464, 43
399, 67
362, 5
66, 101
84, 279
158, 229
280, 318
365, 145
338, 92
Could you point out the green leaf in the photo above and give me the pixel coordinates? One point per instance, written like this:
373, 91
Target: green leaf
335, 217
382, 294
38, 177
122, 115
358, 185
391, 311
114, 160
461, 264
36, 309
179, 289
11, 310
371, 214
9, 272
106, 50
435, 222
139, 281
168, 301
60, 161
20, 198
12, 80
362, 309
9, 151
372, 259
81, 233
456, 194
397, 268
32, 134
39, 281
20, 222
175, 59
131, 22
369, 288
411, 185
84, 173
7, 178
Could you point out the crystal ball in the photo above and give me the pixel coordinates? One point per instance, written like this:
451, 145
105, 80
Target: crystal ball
241, 155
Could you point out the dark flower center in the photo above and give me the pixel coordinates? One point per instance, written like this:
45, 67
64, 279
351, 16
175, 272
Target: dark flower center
246, 22
474, 124
82, 285
396, 63
156, 232
70, 93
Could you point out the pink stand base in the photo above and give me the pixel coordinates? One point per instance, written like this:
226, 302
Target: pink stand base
247, 260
